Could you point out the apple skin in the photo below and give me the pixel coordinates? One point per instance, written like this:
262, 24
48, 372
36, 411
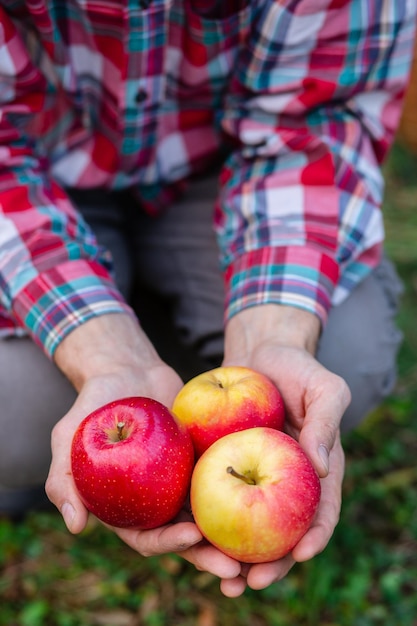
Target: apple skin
225, 400
140, 481
254, 523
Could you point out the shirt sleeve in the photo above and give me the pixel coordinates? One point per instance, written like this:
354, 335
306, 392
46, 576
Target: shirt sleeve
312, 109
53, 275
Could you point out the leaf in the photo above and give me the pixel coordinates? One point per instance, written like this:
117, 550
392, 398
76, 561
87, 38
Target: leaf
34, 613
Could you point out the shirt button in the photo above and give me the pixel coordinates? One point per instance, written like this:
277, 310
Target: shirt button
141, 96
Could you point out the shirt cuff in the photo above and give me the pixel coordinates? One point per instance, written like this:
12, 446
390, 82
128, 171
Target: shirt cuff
65, 297
295, 276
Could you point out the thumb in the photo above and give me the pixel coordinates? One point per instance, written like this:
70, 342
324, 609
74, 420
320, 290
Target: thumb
60, 487
321, 426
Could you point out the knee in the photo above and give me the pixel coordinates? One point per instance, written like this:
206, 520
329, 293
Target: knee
361, 342
20, 469
370, 372
33, 397
368, 389
25, 451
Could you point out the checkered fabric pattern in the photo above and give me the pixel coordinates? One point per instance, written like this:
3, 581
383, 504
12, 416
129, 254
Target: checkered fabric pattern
300, 97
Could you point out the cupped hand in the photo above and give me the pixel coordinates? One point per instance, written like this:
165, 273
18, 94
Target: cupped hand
181, 537
315, 401
262, 575
152, 379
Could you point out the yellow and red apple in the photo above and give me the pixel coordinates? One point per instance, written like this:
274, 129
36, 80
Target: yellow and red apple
225, 400
254, 494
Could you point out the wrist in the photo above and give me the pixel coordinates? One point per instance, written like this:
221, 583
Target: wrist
104, 345
262, 324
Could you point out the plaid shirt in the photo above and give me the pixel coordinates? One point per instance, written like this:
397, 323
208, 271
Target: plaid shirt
304, 94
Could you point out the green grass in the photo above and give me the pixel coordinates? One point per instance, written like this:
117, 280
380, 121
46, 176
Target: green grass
367, 576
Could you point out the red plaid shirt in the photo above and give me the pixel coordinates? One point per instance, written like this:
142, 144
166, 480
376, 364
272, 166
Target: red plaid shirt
305, 95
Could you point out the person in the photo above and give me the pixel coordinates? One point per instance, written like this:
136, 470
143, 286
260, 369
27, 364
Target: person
128, 129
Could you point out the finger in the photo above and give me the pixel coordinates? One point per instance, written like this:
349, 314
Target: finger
322, 423
327, 517
207, 558
163, 540
233, 587
184, 539
60, 488
262, 575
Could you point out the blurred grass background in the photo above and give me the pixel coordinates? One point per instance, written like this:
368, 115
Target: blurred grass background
366, 576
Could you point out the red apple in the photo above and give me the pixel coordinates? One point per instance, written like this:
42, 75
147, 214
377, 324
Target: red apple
132, 463
225, 400
254, 494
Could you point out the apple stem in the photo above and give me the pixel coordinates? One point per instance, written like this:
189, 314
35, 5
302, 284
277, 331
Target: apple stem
120, 434
245, 479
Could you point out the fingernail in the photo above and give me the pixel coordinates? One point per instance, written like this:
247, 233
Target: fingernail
68, 513
324, 456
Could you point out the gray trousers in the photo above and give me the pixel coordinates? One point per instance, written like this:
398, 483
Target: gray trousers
167, 268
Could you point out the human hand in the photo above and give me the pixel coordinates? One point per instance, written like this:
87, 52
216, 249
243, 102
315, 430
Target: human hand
315, 401
123, 365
